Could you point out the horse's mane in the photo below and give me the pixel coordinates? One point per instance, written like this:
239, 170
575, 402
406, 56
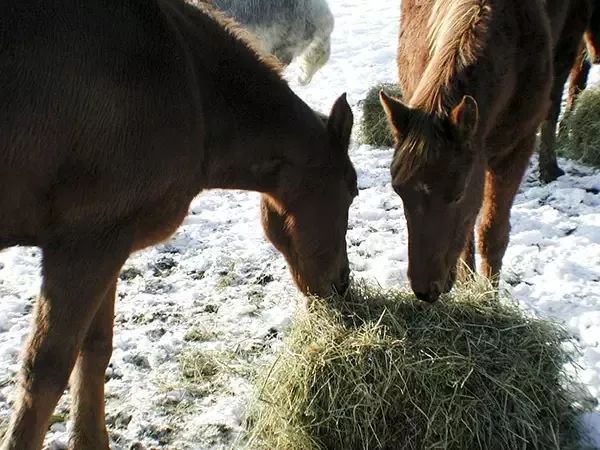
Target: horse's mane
457, 29
239, 33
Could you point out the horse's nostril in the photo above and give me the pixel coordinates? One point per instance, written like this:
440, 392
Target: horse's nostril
429, 297
438, 287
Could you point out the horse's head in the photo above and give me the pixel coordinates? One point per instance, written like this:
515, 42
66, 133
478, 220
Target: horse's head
306, 218
434, 171
592, 34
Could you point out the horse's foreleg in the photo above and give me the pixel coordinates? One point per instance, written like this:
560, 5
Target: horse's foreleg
77, 274
314, 57
548, 166
578, 77
87, 379
466, 264
565, 56
501, 184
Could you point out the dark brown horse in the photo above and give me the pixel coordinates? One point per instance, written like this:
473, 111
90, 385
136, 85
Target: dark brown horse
574, 23
477, 75
114, 116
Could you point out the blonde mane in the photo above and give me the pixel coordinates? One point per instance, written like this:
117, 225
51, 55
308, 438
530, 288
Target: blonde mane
457, 30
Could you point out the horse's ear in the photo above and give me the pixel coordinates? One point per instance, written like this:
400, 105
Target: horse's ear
397, 113
465, 117
341, 119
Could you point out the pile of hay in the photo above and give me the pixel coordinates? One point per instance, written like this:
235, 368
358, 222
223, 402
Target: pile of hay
374, 129
385, 371
579, 137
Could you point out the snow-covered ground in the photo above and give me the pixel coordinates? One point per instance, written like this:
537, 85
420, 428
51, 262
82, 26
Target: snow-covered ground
218, 289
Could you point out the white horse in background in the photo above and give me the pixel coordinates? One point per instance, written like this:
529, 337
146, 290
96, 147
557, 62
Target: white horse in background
287, 29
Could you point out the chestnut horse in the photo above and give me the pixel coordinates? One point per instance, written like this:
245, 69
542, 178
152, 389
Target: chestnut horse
114, 116
575, 25
588, 53
477, 75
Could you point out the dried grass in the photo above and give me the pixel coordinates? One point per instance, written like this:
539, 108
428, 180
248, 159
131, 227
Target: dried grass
382, 370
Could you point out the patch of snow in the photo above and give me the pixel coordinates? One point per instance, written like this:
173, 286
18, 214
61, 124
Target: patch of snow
219, 274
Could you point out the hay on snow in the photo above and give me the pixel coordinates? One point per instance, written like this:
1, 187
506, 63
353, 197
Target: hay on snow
579, 136
382, 370
374, 129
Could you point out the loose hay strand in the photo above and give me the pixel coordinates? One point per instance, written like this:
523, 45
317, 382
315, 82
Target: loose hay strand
383, 371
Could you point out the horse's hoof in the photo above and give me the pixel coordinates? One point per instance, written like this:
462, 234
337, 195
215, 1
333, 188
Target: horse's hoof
549, 174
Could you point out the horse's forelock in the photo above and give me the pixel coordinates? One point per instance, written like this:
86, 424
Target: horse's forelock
415, 147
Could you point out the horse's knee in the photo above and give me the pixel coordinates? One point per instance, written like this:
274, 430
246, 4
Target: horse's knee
493, 242
97, 348
46, 369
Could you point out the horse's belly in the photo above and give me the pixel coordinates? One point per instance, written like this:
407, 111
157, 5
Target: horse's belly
22, 209
159, 222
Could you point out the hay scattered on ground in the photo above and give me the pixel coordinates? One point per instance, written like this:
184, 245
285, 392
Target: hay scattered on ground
374, 129
385, 371
579, 137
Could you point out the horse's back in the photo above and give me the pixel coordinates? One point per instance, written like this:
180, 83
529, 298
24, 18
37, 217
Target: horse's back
94, 103
69, 69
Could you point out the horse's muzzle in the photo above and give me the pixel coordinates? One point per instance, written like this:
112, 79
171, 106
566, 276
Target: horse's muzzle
429, 297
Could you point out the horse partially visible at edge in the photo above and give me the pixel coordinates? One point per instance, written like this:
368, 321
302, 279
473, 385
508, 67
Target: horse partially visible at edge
114, 116
575, 26
287, 29
477, 76
588, 53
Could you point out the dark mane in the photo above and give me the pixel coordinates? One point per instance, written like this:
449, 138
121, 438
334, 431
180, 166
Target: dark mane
238, 34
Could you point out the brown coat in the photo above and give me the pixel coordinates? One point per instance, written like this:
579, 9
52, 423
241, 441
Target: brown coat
476, 76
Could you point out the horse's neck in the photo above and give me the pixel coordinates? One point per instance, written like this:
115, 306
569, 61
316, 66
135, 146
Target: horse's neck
247, 145
250, 116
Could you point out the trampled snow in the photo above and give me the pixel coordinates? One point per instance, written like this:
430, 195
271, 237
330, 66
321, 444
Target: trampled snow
220, 277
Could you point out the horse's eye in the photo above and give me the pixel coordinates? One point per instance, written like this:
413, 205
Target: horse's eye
423, 188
